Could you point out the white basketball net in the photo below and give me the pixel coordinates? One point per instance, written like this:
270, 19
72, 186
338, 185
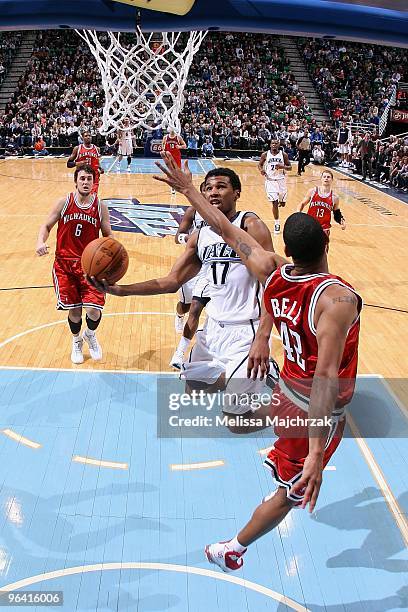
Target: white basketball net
143, 81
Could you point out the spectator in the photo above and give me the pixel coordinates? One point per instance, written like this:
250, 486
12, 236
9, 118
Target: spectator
366, 151
318, 154
207, 149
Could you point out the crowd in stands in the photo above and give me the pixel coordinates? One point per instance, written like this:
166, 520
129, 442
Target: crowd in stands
354, 80
9, 44
240, 94
384, 161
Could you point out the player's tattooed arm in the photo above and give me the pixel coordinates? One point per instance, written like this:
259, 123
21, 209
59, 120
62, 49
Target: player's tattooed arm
350, 299
244, 248
333, 318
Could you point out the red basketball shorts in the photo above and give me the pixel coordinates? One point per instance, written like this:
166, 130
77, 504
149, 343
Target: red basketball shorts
71, 288
288, 454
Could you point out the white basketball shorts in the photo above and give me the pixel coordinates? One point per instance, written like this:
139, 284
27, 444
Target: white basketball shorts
223, 348
276, 189
125, 148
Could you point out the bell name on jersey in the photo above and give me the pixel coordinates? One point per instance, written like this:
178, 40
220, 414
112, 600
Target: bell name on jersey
286, 309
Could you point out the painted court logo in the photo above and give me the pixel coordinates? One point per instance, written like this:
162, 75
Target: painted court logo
129, 215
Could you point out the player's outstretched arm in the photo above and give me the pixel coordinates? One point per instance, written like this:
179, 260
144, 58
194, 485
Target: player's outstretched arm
186, 267
186, 222
259, 262
45, 229
305, 200
336, 310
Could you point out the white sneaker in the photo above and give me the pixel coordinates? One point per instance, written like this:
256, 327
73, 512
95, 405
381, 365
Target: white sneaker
177, 360
76, 353
128, 169
222, 555
95, 349
173, 192
276, 230
179, 323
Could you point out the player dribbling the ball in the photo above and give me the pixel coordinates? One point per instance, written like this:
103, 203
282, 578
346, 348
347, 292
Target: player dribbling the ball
80, 217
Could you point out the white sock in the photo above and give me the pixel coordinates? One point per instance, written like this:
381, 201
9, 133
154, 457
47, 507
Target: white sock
236, 546
90, 332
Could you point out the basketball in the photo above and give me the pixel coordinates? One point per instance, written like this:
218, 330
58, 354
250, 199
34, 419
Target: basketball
105, 258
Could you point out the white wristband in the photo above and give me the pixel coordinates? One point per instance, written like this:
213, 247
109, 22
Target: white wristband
182, 238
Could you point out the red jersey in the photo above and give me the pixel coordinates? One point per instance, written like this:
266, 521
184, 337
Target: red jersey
291, 301
78, 226
91, 156
321, 208
171, 146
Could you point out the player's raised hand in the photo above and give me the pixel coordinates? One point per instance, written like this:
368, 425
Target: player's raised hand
310, 482
42, 249
102, 285
177, 178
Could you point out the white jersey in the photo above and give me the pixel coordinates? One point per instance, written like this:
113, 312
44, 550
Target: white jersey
198, 222
235, 294
273, 173
125, 135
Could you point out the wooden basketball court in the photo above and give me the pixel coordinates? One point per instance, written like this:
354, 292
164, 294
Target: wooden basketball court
111, 515
138, 334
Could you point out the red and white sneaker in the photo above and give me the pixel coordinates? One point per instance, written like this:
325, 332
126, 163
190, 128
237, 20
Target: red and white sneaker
222, 555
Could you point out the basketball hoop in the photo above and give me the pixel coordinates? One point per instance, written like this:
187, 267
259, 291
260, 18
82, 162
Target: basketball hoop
143, 82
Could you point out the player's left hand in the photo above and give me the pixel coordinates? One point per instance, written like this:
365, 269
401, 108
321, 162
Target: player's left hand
310, 482
177, 178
